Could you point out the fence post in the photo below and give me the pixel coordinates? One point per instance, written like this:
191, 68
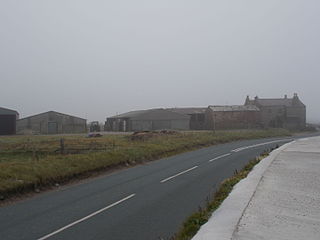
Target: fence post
61, 146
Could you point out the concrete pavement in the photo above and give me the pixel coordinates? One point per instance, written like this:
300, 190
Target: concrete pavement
280, 199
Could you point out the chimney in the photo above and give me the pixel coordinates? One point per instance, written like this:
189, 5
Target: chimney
247, 102
295, 99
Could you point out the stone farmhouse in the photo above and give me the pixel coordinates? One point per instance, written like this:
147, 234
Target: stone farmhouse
289, 113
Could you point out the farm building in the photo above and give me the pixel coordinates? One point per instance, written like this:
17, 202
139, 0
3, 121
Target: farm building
232, 117
8, 120
280, 112
147, 120
51, 123
197, 116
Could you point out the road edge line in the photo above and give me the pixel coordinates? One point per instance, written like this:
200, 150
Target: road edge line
86, 217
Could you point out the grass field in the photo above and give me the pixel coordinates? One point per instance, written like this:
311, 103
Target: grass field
32, 162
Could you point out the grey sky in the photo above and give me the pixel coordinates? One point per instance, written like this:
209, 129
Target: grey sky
96, 58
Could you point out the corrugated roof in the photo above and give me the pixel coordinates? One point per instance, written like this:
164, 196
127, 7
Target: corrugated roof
152, 114
190, 110
8, 111
52, 112
234, 108
129, 114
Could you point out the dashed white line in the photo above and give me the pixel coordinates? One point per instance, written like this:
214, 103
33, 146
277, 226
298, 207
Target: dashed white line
169, 178
257, 145
85, 218
222, 156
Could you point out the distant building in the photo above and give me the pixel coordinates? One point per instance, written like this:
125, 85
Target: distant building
147, 120
197, 116
232, 117
284, 112
94, 126
51, 123
8, 119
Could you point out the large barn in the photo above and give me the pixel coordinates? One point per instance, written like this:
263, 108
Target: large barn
52, 123
147, 120
8, 119
197, 116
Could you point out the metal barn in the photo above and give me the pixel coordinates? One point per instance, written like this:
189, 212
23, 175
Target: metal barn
8, 120
197, 116
51, 123
147, 120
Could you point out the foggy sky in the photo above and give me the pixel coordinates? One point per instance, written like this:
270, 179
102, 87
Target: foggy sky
96, 58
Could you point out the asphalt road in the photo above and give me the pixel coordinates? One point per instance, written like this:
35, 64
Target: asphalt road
145, 202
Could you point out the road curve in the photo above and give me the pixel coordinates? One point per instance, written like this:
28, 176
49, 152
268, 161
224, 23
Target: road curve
145, 202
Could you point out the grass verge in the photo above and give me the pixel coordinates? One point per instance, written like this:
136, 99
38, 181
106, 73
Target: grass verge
31, 163
193, 223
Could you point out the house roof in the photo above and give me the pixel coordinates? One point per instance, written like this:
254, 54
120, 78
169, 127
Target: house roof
189, 110
273, 102
8, 111
152, 114
288, 102
234, 108
51, 112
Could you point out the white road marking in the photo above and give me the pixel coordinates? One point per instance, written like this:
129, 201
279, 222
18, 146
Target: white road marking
257, 145
169, 178
222, 156
85, 218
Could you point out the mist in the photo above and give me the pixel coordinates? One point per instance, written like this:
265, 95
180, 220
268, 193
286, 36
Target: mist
94, 59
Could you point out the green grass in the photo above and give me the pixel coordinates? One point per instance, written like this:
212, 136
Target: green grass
29, 162
195, 221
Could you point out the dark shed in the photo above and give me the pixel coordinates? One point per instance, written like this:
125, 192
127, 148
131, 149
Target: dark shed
8, 121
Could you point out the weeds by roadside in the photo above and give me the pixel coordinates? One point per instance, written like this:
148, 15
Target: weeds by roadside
31, 163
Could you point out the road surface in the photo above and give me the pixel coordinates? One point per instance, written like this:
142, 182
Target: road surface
145, 202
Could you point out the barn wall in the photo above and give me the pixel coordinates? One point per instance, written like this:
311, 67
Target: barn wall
51, 123
36, 124
197, 121
182, 124
150, 125
141, 125
232, 119
7, 124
